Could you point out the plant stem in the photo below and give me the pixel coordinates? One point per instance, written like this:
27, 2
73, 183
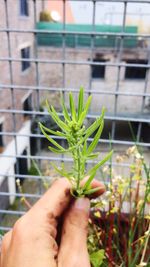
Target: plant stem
79, 171
145, 246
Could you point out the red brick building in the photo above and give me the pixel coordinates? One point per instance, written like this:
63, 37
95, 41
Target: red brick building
16, 72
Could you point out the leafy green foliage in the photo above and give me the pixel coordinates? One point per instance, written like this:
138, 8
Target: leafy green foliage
97, 258
120, 219
73, 130
1, 232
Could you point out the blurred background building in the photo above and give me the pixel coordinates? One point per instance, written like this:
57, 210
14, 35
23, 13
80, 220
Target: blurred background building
18, 45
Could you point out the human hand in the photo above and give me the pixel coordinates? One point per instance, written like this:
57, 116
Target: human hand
32, 241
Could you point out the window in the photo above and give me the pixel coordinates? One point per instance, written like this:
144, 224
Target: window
4, 199
98, 71
21, 166
24, 8
27, 106
1, 138
25, 54
135, 72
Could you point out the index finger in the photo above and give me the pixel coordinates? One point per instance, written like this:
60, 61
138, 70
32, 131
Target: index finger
58, 197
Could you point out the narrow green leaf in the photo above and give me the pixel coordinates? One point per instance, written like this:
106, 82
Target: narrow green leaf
72, 107
84, 147
88, 182
60, 123
102, 162
51, 131
65, 111
61, 150
36, 167
93, 156
45, 183
92, 191
80, 101
61, 171
56, 118
50, 139
85, 111
82, 117
56, 150
87, 105
95, 141
134, 262
60, 134
95, 125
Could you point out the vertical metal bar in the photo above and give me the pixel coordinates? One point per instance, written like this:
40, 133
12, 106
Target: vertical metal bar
37, 84
92, 45
119, 70
143, 98
92, 48
36, 56
13, 100
63, 64
64, 47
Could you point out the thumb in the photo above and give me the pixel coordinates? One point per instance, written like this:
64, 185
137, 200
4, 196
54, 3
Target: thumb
73, 247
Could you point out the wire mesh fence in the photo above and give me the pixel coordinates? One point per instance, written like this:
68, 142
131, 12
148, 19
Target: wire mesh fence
39, 60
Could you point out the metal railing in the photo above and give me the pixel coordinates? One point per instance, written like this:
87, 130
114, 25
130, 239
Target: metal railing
14, 110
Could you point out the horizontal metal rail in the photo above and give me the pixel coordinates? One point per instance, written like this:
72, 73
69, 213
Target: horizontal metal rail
12, 212
129, 143
72, 62
36, 196
27, 176
65, 159
50, 178
5, 229
112, 1
107, 117
74, 90
90, 33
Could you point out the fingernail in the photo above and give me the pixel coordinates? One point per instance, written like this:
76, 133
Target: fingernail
82, 204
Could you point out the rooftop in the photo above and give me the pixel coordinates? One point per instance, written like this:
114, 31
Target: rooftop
52, 35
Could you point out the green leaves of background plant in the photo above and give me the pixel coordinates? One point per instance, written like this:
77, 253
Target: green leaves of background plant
72, 128
97, 258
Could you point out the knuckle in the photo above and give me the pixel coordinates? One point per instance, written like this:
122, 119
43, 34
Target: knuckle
63, 183
18, 226
19, 230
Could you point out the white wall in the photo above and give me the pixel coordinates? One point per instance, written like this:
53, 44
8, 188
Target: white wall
7, 162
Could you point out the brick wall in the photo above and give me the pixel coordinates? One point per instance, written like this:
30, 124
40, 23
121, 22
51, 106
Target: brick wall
17, 41
79, 75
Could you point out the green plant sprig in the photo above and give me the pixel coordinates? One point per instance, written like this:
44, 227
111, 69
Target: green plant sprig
72, 129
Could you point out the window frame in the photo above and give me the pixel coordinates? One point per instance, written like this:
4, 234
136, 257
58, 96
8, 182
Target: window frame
24, 8
25, 65
103, 69
134, 70
2, 144
24, 99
